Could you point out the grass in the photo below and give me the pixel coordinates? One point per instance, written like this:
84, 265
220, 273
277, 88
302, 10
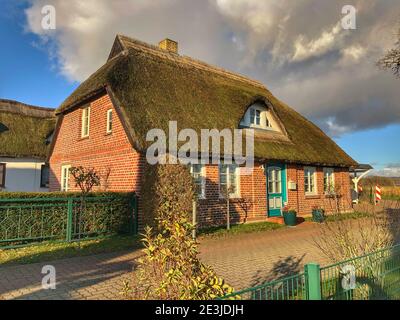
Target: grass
391, 193
48, 251
236, 229
343, 216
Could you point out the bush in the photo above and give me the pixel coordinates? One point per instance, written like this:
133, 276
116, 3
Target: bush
170, 269
27, 221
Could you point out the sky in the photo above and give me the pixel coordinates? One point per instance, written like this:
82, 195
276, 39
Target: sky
297, 48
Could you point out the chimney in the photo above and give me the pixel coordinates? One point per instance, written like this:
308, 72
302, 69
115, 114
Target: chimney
169, 45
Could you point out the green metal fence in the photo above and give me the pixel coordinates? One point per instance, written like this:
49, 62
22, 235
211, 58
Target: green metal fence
370, 277
30, 220
375, 276
290, 288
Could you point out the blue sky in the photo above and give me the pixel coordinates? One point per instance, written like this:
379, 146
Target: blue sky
27, 74
34, 71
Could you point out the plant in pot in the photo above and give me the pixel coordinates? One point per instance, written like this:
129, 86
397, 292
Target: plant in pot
318, 214
289, 216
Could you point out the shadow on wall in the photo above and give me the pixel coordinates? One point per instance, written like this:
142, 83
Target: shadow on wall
213, 211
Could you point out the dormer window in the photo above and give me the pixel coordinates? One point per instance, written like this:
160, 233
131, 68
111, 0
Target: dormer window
259, 116
255, 117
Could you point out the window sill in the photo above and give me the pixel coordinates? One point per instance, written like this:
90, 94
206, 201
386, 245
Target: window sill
83, 138
230, 197
108, 134
313, 196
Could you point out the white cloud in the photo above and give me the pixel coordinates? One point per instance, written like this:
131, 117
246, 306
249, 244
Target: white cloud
387, 172
325, 42
296, 48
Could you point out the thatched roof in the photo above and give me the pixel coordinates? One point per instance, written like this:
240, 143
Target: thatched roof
24, 129
152, 86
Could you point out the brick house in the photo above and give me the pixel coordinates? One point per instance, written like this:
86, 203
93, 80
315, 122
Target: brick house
104, 123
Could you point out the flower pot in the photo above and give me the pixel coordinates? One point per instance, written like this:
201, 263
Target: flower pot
290, 218
318, 215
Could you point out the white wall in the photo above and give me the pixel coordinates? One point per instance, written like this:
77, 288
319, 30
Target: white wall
23, 174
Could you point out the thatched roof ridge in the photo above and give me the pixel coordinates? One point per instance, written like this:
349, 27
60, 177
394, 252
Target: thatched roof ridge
25, 109
128, 42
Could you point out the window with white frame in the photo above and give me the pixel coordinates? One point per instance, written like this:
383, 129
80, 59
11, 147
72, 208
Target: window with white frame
255, 116
109, 120
229, 178
85, 122
274, 180
65, 177
310, 180
198, 173
260, 117
329, 180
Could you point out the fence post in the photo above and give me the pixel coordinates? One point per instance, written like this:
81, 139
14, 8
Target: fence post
135, 218
69, 220
312, 272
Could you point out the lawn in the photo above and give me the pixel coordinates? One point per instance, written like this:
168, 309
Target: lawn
239, 229
48, 251
343, 216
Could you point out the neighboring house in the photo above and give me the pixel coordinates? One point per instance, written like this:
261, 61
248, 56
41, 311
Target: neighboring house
104, 123
25, 133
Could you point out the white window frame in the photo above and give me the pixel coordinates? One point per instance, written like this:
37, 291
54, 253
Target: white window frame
236, 194
85, 122
65, 168
203, 180
312, 177
275, 182
329, 174
265, 122
109, 121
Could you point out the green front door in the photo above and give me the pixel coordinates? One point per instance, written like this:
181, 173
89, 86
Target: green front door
276, 189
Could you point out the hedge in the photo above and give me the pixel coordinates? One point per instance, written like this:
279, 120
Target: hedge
101, 213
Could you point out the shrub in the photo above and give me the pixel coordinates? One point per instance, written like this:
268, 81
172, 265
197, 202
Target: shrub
171, 269
105, 213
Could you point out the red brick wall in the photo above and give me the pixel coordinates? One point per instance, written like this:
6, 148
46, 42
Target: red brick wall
303, 204
110, 154
212, 210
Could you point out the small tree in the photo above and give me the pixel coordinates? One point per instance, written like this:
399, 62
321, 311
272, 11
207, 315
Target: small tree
170, 268
85, 178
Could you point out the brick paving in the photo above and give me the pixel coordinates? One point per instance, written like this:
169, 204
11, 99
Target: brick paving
249, 260
243, 260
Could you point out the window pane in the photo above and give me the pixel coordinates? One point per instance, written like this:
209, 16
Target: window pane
312, 181
252, 116
278, 187
109, 120
258, 117
196, 171
271, 187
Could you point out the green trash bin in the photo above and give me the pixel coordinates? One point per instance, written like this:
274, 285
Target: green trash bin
318, 215
290, 218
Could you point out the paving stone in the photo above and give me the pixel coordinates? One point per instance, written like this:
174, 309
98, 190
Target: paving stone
242, 260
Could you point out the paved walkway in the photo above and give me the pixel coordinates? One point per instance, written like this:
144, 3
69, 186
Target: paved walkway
243, 260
